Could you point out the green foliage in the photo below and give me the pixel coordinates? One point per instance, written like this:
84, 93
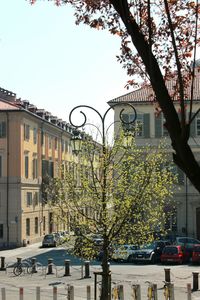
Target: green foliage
122, 194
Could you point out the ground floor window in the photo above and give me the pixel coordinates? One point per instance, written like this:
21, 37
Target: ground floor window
28, 227
1, 231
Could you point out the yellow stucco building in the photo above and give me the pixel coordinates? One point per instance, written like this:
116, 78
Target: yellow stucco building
33, 143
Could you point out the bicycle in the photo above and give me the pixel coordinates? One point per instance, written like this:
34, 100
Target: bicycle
22, 266
27, 266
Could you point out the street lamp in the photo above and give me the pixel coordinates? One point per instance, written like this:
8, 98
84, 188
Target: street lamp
77, 139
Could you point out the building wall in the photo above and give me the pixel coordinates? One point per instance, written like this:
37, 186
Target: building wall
186, 197
20, 195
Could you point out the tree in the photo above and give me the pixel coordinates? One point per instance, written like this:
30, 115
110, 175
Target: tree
165, 35
116, 192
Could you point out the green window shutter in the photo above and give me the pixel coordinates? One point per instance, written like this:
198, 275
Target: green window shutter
146, 118
181, 176
3, 129
193, 127
125, 118
158, 126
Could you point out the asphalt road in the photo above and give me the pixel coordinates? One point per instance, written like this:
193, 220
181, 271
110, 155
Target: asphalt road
121, 274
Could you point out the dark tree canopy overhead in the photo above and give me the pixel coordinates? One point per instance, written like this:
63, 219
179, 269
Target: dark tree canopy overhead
159, 41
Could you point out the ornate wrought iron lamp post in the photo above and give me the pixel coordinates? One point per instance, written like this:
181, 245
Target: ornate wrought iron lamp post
76, 143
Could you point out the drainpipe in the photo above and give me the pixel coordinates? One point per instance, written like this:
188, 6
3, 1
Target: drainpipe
7, 182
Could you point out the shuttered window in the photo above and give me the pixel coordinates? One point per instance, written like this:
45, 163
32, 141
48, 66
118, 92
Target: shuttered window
2, 129
141, 126
26, 162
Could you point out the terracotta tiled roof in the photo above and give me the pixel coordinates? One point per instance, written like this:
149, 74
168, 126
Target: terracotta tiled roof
7, 106
146, 94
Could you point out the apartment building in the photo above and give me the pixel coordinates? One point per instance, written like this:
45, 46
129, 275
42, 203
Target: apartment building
150, 130
33, 144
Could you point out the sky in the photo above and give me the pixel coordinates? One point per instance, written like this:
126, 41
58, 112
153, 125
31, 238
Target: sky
54, 64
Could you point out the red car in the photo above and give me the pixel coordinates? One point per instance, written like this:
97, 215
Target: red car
196, 254
174, 254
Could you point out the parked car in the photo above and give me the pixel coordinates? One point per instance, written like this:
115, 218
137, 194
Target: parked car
149, 252
196, 254
49, 240
123, 252
174, 254
97, 239
187, 242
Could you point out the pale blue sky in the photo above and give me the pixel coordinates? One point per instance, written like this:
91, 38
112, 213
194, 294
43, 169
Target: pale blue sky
56, 65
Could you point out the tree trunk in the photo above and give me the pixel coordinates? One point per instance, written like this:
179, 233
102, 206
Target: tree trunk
183, 156
106, 277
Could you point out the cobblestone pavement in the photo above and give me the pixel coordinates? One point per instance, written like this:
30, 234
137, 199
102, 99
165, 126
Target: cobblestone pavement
122, 274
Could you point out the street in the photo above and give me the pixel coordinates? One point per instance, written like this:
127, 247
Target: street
122, 274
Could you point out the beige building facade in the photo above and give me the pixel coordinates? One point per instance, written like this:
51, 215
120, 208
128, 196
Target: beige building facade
150, 124
33, 144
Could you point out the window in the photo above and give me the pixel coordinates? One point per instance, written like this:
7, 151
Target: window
50, 142
35, 168
28, 227
29, 199
26, 162
44, 224
198, 126
1, 231
56, 143
66, 146
2, 129
1, 167
63, 146
35, 135
36, 199
141, 125
36, 225
26, 132
42, 137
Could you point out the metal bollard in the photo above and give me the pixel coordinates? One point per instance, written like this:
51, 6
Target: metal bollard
21, 293
19, 260
195, 281
167, 275
50, 266
87, 269
121, 292
88, 290
3, 293
136, 292
67, 267
189, 292
55, 293
37, 292
2, 268
33, 265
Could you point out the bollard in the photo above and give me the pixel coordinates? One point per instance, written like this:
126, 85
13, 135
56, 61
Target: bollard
21, 293
189, 292
171, 291
67, 267
195, 281
88, 290
136, 292
33, 265
121, 292
50, 266
3, 293
167, 275
155, 292
70, 292
54, 292
87, 269
2, 268
19, 260
37, 293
